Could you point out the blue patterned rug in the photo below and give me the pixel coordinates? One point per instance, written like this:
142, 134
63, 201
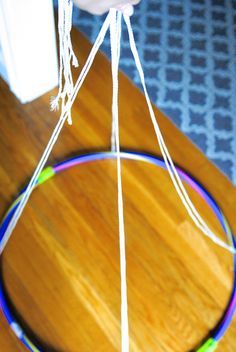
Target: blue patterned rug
188, 50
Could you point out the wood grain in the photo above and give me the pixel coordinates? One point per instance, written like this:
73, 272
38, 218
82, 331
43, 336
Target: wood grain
61, 266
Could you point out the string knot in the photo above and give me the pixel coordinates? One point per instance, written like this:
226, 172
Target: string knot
126, 9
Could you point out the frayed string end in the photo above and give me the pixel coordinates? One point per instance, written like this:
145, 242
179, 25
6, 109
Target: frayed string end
67, 57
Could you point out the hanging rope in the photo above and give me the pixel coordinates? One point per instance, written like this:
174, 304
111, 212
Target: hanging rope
66, 56
178, 184
115, 31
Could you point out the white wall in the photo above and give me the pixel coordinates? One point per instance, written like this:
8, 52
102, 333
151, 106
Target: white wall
3, 71
29, 55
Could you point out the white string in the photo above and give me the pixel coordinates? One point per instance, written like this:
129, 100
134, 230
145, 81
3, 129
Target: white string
55, 134
65, 8
196, 217
115, 31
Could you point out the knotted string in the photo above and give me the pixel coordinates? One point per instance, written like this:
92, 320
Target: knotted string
66, 55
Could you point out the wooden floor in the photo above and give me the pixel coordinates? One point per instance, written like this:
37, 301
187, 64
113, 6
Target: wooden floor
61, 267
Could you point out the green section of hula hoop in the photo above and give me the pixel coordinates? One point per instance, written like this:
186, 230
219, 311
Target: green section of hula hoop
209, 346
45, 175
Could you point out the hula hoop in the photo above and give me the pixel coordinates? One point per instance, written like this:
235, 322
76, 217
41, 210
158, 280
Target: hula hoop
211, 343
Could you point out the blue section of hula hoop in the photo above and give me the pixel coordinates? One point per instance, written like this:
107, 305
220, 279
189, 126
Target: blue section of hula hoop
25, 343
224, 324
9, 317
6, 221
4, 306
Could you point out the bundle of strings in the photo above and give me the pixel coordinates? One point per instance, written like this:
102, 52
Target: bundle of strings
68, 93
67, 56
